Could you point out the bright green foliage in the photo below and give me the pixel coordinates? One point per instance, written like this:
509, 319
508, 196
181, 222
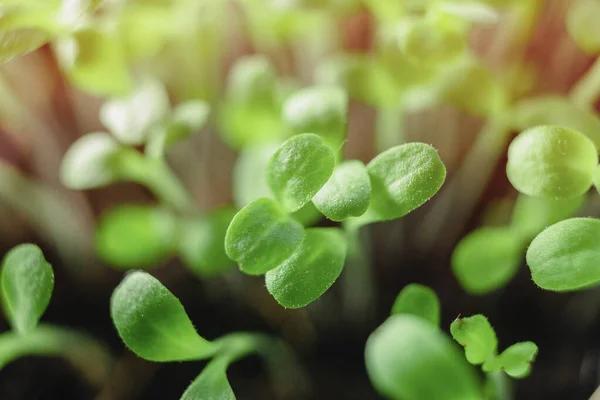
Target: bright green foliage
153, 323
136, 236
418, 300
252, 80
250, 173
565, 256
27, 281
404, 178
551, 161
477, 336
310, 271
515, 361
211, 384
131, 119
532, 214
299, 169
307, 215
487, 258
321, 110
582, 24
201, 245
88, 162
346, 194
20, 41
261, 236
408, 358
430, 41
556, 110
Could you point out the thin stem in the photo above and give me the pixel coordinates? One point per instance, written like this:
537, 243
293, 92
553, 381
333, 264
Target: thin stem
587, 90
82, 351
389, 130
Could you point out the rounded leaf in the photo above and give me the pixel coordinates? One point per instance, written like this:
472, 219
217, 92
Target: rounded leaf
261, 236
201, 245
136, 236
565, 256
487, 259
410, 359
551, 161
516, 360
477, 336
322, 110
418, 300
27, 281
404, 178
88, 162
346, 194
310, 271
582, 24
153, 323
252, 80
299, 169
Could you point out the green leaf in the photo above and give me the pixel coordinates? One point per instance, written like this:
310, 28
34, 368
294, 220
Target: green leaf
556, 110
132, 118
346, 194
477, 336
322, 110
252, 80
311, 270
515, 361
135, 236
261, 236
88, 162
564, 256
153, 323
307, 215
299, 169
551, 161
27, 282
404, 178
249, 125
408, 358
582, 24
250, 173
418, 300
94, 60
211, 384
193, 114
17, 42
487, 259
201, 245
532, 214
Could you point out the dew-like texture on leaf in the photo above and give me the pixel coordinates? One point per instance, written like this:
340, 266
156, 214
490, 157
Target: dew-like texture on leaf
201, 245
132, 118
477, 336
403, 178
88, 162
299, 169
532, 214
346, 194
261, 236
211, 384
153, 323
515, 361
551, 161
250, 173
408, 358
557, 110
322, 110
582, 24
136, 236
311, 270
27, 281
418, 300
566, 255
487, 259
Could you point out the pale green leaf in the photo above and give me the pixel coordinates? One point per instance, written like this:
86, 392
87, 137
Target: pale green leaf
211, 384
153, 323
582, 24
27, 281
477, 336
418, 300
516, 360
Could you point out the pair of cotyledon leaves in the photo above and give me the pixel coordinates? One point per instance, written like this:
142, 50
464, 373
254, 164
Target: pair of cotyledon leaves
300, 265
409, 352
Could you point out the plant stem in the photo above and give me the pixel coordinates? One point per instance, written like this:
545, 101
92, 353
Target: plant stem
586, 91
389, 130
82, 351
155, 174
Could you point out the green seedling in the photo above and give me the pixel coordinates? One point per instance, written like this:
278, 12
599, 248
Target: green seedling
27, 282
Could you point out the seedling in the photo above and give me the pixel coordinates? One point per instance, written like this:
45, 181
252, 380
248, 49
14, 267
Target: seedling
154, 325
27, 282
